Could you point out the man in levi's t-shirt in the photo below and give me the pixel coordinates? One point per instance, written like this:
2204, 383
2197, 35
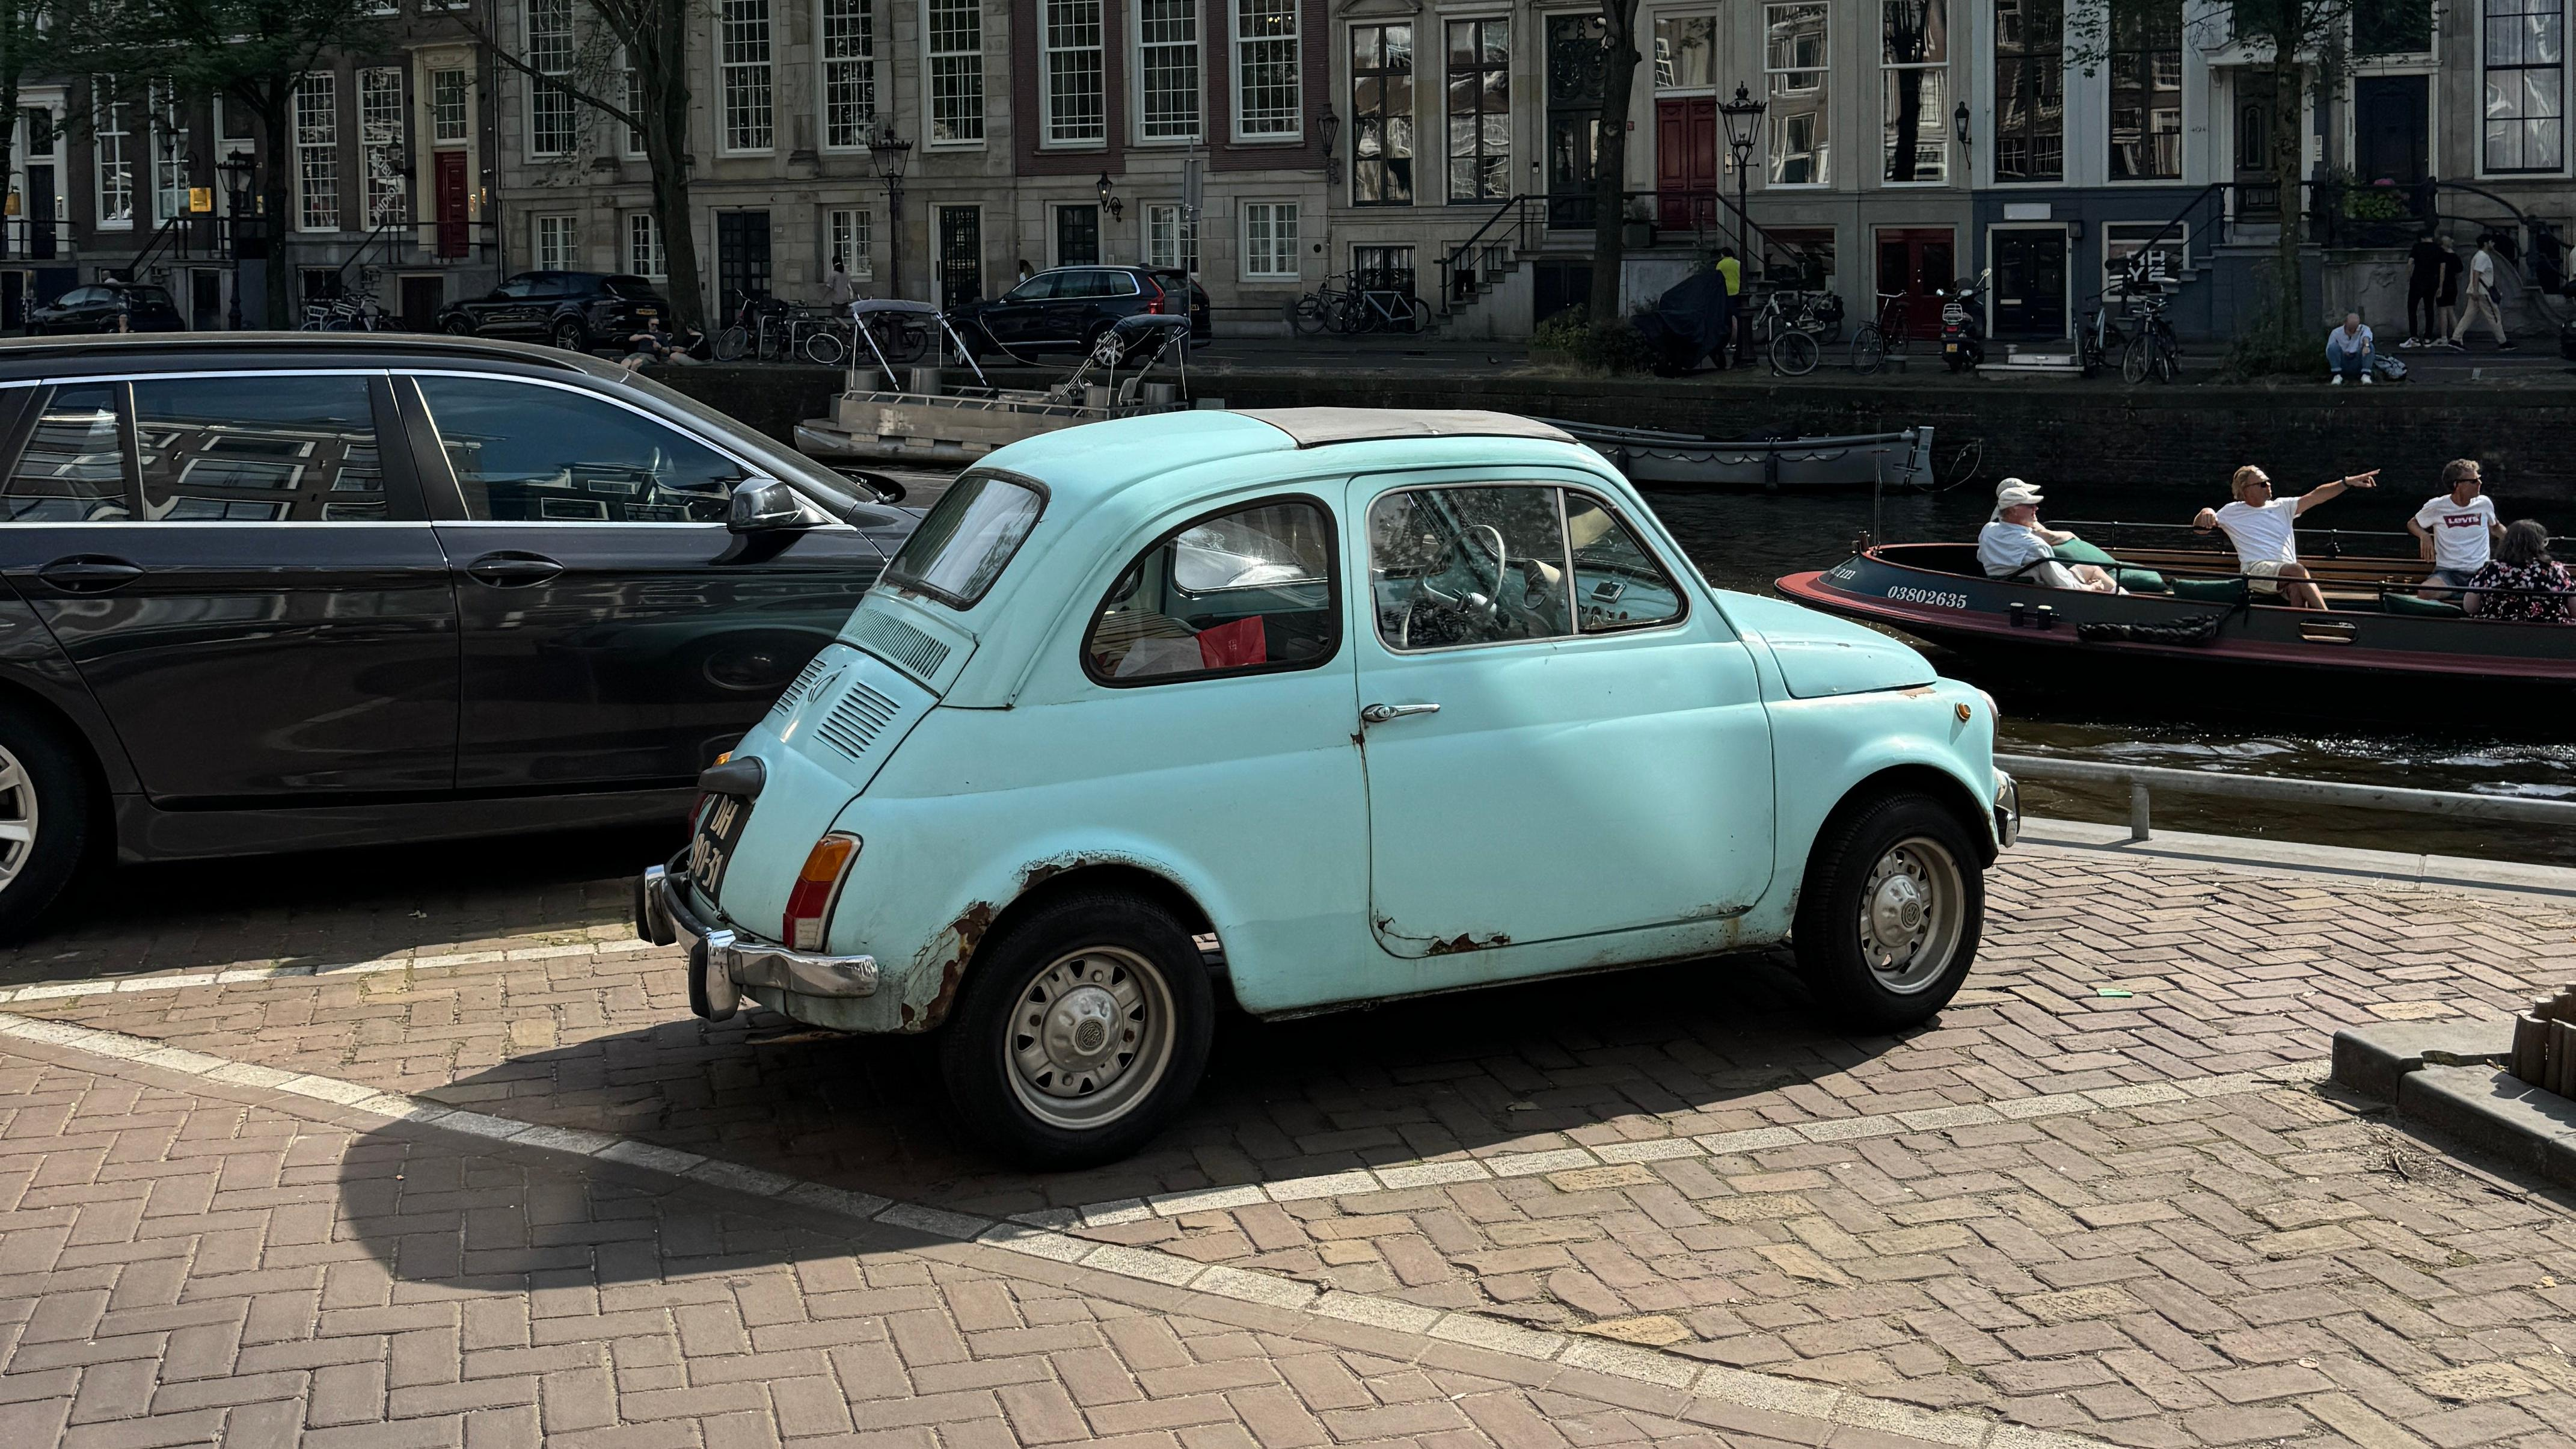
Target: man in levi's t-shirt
2456, 529
2265, 531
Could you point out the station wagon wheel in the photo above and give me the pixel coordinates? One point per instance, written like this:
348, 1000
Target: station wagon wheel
1082, 1026
48, 810
1890, 911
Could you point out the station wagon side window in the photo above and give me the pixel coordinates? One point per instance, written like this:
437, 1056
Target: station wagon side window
1470, 565
526, 453
73, 467
967, 539
1248, 591
272, 448
1617, 582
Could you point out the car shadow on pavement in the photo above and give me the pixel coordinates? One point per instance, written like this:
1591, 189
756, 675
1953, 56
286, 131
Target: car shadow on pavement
331, 907
1676, 1049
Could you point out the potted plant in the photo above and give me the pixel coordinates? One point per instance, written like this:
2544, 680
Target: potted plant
1638, 230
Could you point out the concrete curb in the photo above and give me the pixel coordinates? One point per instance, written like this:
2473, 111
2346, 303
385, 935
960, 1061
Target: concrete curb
2445, 1076
2277, 857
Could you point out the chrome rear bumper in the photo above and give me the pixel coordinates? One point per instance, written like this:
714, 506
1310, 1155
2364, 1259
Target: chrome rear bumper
722, 960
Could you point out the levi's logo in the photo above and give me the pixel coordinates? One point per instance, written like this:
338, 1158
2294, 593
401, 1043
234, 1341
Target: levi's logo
2460, 520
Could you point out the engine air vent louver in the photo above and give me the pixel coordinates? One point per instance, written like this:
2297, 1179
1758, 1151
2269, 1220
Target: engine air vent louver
899, 644
796, 687
857, 720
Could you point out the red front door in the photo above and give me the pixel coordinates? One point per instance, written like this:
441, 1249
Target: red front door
451, 204
1686, 163
1918, 262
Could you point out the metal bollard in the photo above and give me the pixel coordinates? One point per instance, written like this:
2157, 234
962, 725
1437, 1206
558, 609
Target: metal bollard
2138, 810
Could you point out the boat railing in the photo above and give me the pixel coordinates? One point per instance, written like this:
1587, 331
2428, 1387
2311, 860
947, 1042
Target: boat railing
2322, 542
2142, 779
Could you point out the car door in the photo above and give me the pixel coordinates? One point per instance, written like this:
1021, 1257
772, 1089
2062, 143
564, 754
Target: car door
244, 578
511, 310
1560, 742
614, 630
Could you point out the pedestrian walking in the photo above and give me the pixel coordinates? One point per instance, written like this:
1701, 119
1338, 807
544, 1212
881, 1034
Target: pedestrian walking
2480, 299
2446, 303
838, 293
2423, 289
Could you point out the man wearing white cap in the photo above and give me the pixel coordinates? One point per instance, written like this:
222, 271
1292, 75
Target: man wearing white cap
2015, 545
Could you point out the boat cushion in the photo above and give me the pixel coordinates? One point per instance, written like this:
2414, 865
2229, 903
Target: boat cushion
2077, 551
2211, 591
2397, 603
2143, 581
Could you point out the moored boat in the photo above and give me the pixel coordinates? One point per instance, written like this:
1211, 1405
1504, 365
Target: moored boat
2190, 623
1656, 459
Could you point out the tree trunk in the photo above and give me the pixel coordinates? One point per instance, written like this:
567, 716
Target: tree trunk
1610, 176
662, 74
2289, 157
277, 198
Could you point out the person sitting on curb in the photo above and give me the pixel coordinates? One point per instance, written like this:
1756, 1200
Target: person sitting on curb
661, 344
2349, 351
2265, 531
2454, 530
2016, 546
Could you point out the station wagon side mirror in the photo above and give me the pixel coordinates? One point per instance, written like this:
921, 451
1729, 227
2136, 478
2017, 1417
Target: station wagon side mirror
763, 504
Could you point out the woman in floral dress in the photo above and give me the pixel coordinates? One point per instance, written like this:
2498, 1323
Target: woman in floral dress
2541, 588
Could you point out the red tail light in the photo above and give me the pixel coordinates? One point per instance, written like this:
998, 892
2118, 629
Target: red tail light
1154, 304
809, 905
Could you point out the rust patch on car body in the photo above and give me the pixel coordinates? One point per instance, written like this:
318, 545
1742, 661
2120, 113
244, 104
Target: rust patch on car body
1465, 941
968, 933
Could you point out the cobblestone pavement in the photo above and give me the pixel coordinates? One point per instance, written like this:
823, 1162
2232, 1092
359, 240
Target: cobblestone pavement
2085, 1200
184, 1268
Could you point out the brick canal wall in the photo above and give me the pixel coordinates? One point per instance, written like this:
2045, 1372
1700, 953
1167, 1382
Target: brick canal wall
2051, 431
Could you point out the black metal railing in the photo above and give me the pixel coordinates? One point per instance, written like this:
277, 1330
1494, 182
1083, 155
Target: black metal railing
1512, 228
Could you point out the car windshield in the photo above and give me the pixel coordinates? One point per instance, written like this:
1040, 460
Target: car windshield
967, 539
634, 289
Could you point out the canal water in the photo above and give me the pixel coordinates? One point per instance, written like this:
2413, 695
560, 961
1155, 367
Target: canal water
1746, 540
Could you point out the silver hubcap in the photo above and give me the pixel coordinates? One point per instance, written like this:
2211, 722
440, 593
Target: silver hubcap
1911, 911
17, 818
1091, 1038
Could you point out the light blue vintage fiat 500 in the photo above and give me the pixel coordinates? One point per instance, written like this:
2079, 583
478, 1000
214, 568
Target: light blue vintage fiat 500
1308, 709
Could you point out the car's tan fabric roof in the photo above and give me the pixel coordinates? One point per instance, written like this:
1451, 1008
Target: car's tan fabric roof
1316, 427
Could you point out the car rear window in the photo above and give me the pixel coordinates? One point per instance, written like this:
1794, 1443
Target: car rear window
967, 539
634, 289
149, 296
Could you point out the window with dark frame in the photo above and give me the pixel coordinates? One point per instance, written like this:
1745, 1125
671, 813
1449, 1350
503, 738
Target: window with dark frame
2030, 90
2526, 86
2146, 90
1382, 115
1480, 109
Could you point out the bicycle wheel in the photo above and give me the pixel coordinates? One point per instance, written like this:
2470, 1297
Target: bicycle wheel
903, 342
1306, 315
2135, 363
1418, 314
730, 344
1794, 353
1868, 349
824, 348
2166, 366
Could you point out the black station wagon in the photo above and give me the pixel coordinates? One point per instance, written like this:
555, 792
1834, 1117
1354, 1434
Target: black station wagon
281, 591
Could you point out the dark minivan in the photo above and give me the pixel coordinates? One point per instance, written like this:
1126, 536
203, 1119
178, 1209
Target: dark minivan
271, 592
1070, 307
573, 310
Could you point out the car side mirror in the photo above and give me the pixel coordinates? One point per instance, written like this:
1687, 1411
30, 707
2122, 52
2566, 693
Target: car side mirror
763, 504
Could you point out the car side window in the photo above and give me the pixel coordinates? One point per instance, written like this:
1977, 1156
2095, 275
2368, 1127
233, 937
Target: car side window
1246, 591
516, 287
1474, 565
1035, 289
1617, 582
527, 453
275, 449
73, 467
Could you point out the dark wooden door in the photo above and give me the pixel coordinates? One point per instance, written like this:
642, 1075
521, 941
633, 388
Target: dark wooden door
2030, 283
1686, 163
961, 255
1918, 262
742, 256
1574, 80
421, 299
2391, 123
1077, 236
450, 201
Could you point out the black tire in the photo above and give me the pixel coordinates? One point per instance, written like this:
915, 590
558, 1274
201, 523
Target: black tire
571, 336
1035, 989
1851, 909
2134, 363
730, 344
1868, 349
459, 327
47, 799
1794, 353
825, 349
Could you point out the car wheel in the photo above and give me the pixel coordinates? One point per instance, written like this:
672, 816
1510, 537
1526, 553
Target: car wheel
1083, 1028
1890, 911
47, 813
571, 336
460, 327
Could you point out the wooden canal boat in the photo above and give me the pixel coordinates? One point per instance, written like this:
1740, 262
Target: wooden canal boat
1900, 461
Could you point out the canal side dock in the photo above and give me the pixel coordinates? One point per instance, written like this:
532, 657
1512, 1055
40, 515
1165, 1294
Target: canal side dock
364, 1157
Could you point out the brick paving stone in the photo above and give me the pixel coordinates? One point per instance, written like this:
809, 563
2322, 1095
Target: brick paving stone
2227, 1258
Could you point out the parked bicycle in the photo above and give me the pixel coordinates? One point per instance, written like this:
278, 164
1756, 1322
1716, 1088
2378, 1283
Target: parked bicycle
2154, 353
356, 312
1359, 309
1798, 333
2101, 345
1876, 339
1319, 309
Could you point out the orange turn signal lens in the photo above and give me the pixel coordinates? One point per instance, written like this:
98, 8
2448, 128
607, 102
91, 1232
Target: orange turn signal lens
809, 905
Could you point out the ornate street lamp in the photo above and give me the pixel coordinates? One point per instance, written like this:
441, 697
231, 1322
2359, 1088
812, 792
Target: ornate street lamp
1743, 120
236, 171
1109, 201
1331, 126
892, 153
1959, 124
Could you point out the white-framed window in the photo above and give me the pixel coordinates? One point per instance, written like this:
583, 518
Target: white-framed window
2122, 240
846, 45
447, 106
1167, 70
1171, 237
317, 152
953, 46
2524, 60
1269, 239
644, 247
1382, 115
1914, 90
2146, 90
1480, 109
634, 143
557, 242
169, 152
112, 153
848, 237
1266, 74
550, 52
380, 143
1796, 49
742, 65
1070, 86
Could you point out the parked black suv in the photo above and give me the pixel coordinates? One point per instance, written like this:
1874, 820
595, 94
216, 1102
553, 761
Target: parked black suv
575, 310
276, 591
1070, 307
94, 308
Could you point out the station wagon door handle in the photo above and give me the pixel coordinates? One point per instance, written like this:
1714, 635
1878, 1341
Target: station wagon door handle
89, 573
1381, 713
509, 570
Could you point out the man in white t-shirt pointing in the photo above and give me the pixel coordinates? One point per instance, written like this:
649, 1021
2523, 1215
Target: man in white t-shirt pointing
2265, 532
2456, 529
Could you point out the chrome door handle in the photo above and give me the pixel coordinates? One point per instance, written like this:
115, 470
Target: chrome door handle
1381, 713
513, 570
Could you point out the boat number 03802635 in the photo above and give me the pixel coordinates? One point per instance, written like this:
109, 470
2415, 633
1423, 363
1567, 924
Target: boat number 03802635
1928, 596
